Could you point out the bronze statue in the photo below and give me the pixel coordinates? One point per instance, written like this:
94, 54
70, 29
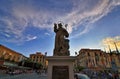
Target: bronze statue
61, 43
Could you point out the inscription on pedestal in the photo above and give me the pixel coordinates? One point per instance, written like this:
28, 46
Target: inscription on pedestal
60, 72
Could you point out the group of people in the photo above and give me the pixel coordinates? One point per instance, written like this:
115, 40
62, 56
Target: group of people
102, 74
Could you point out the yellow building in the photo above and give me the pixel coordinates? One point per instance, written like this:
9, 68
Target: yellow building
97, 59
115, 60
38, 58
10, 55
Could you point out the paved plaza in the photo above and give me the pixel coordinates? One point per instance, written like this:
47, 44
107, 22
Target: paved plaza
24, 76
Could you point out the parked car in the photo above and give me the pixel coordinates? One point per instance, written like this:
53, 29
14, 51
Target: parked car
80, 76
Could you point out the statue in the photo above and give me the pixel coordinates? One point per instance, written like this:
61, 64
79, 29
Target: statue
61, 43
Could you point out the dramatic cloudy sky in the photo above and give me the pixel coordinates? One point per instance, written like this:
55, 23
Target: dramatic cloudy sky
26, 26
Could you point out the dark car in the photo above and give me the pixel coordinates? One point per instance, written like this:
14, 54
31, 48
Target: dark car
80, 76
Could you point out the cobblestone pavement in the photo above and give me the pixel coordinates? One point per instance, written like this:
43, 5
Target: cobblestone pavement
25, 76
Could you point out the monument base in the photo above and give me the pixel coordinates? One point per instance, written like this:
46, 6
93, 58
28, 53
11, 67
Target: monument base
60, 67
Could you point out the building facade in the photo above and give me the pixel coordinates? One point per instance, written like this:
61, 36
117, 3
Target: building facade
10, 58
97, 59
10, 55
38, 58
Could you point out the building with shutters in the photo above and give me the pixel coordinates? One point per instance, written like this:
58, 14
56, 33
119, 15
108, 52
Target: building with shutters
38, 58
97, 59
9, 57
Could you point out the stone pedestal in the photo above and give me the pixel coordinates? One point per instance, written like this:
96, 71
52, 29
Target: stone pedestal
60, 67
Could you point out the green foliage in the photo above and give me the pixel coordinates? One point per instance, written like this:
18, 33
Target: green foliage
79, 68
39, 65
28, 60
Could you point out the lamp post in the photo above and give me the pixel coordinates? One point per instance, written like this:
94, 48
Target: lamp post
66, 26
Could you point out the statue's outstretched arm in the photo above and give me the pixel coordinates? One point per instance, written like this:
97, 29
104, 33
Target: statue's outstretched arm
55, 27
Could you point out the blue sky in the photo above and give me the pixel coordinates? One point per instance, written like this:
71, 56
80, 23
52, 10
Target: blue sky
26, 26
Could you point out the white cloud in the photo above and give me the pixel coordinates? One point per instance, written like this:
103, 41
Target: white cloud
87, 16
48, 34
7, 35
29, 38
82, 12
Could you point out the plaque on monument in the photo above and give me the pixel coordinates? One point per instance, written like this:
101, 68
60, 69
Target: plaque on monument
60, 72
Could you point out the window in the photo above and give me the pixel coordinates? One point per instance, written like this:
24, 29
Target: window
88, 54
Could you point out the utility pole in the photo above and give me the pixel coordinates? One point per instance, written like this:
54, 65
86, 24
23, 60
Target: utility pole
105, 50
109, 49
116, 47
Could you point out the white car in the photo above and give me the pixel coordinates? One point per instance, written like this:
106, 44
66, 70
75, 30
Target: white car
80, 76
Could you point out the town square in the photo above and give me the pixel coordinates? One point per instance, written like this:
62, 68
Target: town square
59, 39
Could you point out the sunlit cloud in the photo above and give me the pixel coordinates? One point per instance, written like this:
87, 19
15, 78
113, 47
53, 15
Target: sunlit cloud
110, 42
22, 15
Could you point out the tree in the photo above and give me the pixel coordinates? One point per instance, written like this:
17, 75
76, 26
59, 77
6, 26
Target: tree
79, 68
38, 66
